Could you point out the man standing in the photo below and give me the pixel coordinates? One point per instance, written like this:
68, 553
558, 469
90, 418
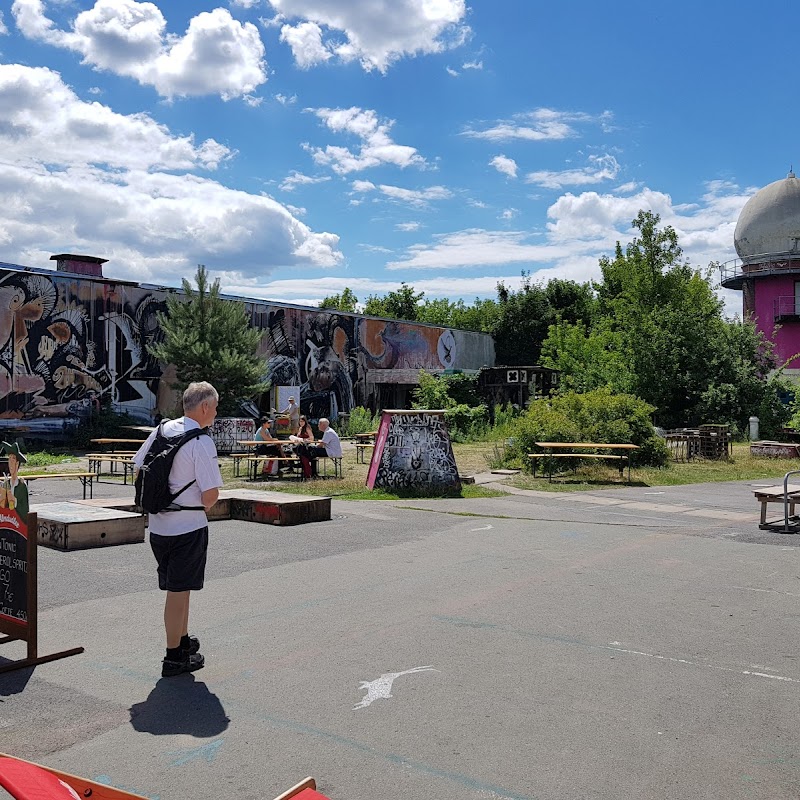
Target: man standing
179, 538
293, 411
329, 445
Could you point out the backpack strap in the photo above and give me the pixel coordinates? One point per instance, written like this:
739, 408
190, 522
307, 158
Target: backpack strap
195, 433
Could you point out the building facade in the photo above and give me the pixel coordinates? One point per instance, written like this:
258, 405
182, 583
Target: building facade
767, 240
71, 339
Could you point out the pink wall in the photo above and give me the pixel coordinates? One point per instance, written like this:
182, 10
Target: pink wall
787, 340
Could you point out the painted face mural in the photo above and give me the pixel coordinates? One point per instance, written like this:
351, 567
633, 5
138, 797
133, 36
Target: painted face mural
66, 345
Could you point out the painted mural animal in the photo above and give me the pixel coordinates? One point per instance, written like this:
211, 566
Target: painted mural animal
403, 347
326, 373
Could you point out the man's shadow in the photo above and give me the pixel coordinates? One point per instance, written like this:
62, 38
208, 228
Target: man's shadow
180, 706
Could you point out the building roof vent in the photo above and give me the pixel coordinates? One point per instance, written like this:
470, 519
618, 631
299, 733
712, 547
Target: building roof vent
79, 265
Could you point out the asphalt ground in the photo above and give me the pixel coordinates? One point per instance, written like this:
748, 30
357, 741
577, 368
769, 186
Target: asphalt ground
629, 643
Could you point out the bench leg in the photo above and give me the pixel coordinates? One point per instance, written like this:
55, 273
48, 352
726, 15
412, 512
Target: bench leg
763, 512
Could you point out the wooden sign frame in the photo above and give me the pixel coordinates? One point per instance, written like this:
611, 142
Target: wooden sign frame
27, 630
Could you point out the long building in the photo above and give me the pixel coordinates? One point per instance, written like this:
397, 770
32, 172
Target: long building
71, 339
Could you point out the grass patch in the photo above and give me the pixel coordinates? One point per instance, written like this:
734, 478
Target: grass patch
43, 459
470, 458
741, 466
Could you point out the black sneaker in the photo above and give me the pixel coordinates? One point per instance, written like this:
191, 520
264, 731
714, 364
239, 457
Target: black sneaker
187, 663
194, 646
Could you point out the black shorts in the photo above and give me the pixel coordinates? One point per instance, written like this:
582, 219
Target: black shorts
181, 560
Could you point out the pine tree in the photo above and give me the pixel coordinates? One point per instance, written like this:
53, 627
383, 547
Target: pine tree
210, 339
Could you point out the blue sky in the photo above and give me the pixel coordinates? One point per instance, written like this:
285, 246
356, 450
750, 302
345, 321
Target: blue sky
296, 147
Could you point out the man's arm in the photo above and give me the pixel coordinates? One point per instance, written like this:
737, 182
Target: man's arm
209, 497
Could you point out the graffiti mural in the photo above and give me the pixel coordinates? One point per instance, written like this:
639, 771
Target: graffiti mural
70, 343
227, 432
413, 450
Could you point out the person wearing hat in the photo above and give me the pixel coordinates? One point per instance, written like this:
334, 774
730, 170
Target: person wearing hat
294, 414
14, 492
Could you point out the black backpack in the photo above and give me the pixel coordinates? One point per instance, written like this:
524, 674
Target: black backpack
152, 481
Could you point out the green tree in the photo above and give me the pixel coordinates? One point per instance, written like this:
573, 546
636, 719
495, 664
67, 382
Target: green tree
210, 339
525, 316
657, 332
399, 304
346, 301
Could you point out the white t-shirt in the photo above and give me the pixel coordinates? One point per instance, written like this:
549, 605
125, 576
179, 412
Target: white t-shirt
333, 447
196, 460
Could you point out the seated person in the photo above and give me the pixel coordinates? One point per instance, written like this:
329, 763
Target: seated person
264, 434
302, 439
329, 445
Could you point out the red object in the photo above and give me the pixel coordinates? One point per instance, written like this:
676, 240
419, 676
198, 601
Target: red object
310, 794
25, 781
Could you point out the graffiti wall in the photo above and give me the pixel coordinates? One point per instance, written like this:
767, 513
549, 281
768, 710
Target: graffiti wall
413, 451
70, 342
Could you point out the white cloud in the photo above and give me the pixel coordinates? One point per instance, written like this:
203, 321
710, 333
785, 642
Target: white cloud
295, 179
541, 124
77, 176
414, 197
3, 28
305, 40
408, 227
505, 165
508, 213
377, 146
285, 100
472, 65
299, 290
600, 168
452, 72
216, 55
245, 3
45, 122
582, 228
376, 32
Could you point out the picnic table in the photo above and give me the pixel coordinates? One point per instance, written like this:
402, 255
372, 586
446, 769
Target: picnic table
563, 449
112, 443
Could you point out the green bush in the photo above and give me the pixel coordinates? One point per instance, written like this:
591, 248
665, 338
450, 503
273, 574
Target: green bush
465, 423
597, 416
361, 420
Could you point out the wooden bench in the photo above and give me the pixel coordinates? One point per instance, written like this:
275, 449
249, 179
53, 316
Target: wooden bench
114, 460
565, 447
237, 462
337, 465
292, 461
86, 478
360, 448
775, 494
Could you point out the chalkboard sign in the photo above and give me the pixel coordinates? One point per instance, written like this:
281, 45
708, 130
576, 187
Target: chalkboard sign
413, 450
14, 560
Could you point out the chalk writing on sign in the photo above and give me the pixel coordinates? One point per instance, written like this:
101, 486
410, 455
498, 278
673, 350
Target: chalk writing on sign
13, 568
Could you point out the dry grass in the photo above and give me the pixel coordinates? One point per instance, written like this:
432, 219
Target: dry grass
741, 466
470, 459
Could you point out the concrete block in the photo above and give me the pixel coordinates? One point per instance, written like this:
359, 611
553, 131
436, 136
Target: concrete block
77, 526
276, 508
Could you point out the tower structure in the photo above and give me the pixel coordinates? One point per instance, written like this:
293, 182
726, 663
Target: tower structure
767, 240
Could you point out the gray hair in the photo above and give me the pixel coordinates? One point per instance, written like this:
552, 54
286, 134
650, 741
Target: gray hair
197, 393
325, 420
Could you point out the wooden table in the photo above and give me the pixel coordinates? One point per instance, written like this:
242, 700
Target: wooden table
550, 447
363, 437
112, 443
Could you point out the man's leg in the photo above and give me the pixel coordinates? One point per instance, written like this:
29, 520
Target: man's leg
176, 617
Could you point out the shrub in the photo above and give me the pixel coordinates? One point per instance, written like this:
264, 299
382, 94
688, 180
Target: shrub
361, 420
466, 422
597, 416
